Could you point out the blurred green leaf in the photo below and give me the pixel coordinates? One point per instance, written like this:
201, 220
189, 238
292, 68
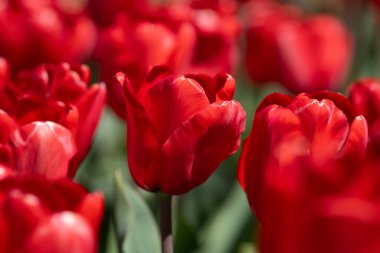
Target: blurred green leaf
221, 233
111, 243
248, 248
136, 226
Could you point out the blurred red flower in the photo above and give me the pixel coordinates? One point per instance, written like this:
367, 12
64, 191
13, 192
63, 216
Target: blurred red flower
365, 97
35, 32
317, 127
187, 40
297, 166
38, 215
33, 100
180, 128
302, 53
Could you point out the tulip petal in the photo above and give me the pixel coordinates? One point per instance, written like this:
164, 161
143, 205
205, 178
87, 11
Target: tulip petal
7, 126
357, 138
91, 208
218, 88
61, 233
325, 126
142, 141
277, 141
21, 213
90, 108
44, 148
210, 136
169, 103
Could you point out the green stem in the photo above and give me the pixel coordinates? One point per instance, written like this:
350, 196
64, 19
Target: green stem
166, 223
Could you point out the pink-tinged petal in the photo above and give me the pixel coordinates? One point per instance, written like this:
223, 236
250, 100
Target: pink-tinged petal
211, 135
90, 108
61, 233
7, 126
357, 139
21, 212
92, 208
169, 103
142, 141
325, 126
44, 148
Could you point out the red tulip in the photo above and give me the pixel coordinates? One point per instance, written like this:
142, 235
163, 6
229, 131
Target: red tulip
57, 93
365, 97
302, 53
180, 128
314, 129
37, 147
35, 32
105, 12
189, 41
300, 151
38, 215
341, 218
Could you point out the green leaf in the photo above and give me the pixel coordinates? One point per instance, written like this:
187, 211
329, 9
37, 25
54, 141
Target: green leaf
136, 226
111, 242
222, 231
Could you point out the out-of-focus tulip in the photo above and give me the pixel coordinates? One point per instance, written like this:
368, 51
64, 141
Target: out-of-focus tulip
185, 39
301, 153
314, 128
179, 128
38, 215
52, 93
37, 147
35, 32
105, 12
302, 53
365, 97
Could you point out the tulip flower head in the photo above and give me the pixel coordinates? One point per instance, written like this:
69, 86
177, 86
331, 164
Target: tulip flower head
179, 128
313, 128
38, 215
35, 32
299, 149
49, 112
304, 54
365, 97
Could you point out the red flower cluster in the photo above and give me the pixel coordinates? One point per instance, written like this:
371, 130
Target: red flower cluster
34, 32
186, 39
303, 173
302, 53
39, 215
180, 128
48, 117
